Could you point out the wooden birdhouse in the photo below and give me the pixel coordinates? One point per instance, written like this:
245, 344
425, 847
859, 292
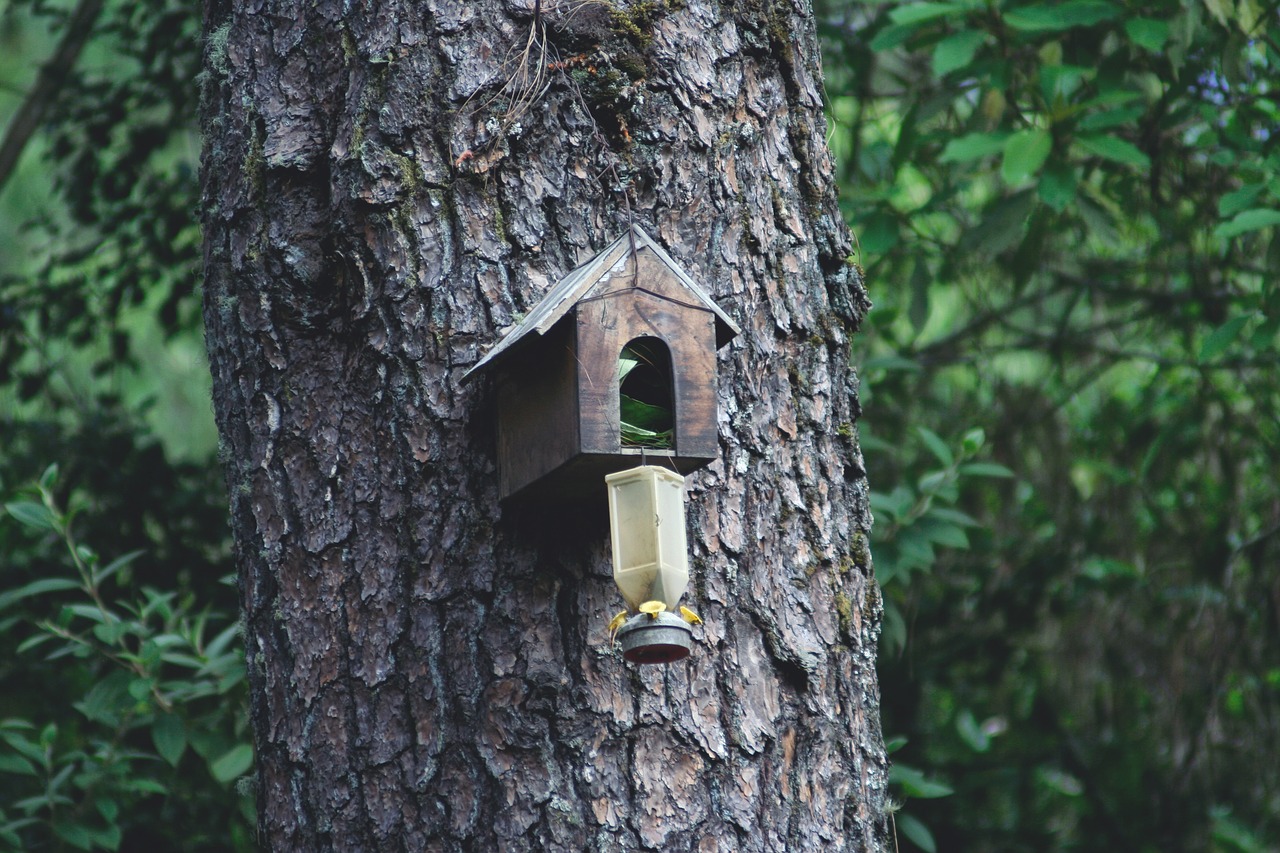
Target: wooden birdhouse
617, 362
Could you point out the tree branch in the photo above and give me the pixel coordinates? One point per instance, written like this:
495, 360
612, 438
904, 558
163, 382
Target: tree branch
50, 79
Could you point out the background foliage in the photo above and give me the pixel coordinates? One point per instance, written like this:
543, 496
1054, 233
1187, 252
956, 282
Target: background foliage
1066, 213
122, 707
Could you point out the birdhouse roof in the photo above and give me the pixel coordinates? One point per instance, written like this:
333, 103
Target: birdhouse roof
573, 287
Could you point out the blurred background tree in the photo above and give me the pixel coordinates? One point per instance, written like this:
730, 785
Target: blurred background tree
122, 714
1067, 216
1066, 213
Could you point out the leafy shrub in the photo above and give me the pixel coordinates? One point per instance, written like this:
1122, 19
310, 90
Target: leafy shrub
124, 720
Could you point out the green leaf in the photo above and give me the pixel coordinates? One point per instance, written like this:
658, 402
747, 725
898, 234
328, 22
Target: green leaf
1235, 202
879, 233
31, 514
170, 738
1102, 569
39, 587
90, 612
1264, 336
108, 837
1057, 187
946, 535
118, 564
233, 764
189, 661
1058, 83
140, 688
1063, 16
145, 786
956, 51
1247, 220
1115, 149
1059, 781
1105, 119
894, 744
915, 549
108, 700
1233, 835
9, 832
75, 834
985, 469
1002, 225
886, 572
1220, 9
1024, 154
626, 364
892, 36
644, 415
108, 808
111, 632
219, 643
1098, 219
892, 362
1110, 96
916, 832
953, 516
1222, 337
1147, 33
882, 505
16, 764
972, 146
971, 732
932, 481
894, 629
49, 477
33, 641
24, 746
921, 279
914, 13
914, 783
936, 446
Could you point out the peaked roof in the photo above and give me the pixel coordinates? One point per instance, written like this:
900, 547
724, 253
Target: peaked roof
611, 261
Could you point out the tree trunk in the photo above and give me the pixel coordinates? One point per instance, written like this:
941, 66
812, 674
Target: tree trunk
385, 188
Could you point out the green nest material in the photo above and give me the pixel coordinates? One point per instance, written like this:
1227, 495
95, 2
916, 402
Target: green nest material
645, 397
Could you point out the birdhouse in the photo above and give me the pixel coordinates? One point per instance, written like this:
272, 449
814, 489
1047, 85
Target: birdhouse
617, 363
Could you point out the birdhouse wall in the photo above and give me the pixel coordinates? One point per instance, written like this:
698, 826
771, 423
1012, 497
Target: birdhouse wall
538, 411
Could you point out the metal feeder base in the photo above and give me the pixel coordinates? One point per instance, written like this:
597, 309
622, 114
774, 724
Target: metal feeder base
665, 639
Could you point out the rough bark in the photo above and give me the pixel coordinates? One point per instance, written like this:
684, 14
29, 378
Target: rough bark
378, 207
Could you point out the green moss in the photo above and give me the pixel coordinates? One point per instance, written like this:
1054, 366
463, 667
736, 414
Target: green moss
802, 384
218, 49
860, 551
627, 26
636, 20
633, 65
844, 614
254, 165
779, 28
499, 222
372, 101
845, 430
871, 605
